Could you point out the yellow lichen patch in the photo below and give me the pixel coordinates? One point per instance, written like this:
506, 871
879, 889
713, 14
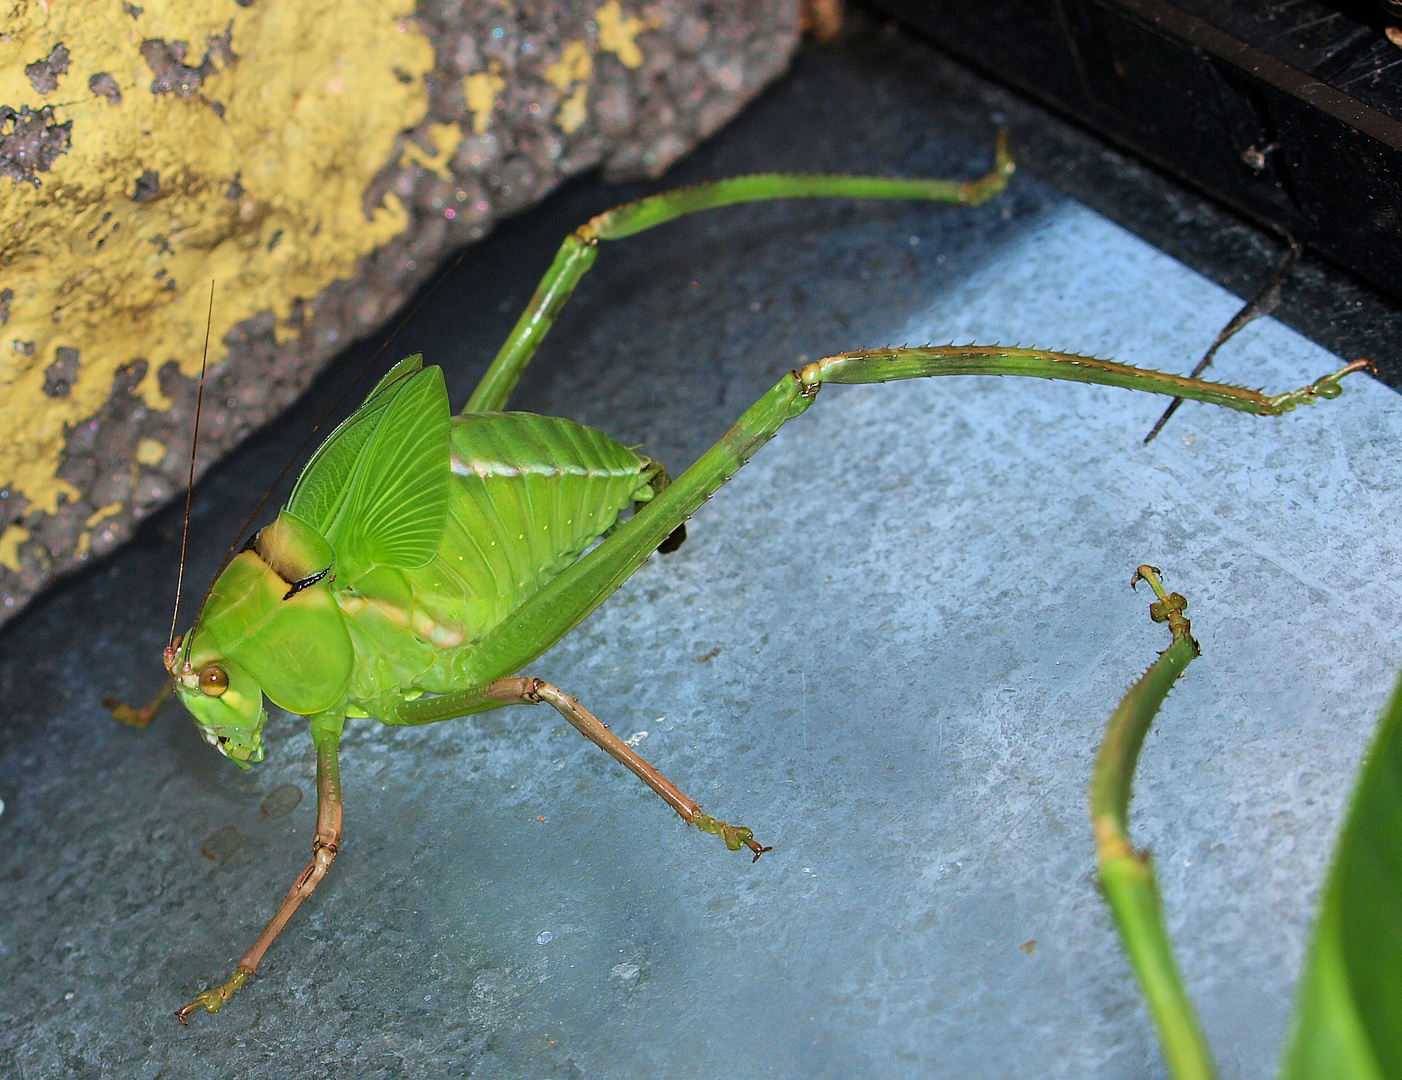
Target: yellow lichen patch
57, 490
481, 91
254, 179
575, 65
10, 540
444, 139
110, 510
150, 452
618, 34
573, 111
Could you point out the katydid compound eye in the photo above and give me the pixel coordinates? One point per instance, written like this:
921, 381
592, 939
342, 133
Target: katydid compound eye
213, 680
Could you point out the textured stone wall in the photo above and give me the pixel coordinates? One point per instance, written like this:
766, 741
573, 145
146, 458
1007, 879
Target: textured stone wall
316, 160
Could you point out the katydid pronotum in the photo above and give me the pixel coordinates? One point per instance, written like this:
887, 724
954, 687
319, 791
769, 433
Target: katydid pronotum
423, 558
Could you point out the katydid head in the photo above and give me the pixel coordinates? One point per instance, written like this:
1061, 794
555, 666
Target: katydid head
224, 699
269, 626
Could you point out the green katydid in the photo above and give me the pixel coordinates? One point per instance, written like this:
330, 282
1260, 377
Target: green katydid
423, 558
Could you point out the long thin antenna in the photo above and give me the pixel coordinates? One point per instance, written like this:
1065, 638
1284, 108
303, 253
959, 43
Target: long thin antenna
190, 482
1266, 300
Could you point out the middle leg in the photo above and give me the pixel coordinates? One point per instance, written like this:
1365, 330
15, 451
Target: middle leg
525, 690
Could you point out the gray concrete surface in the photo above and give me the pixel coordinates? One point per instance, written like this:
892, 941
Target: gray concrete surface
890, 646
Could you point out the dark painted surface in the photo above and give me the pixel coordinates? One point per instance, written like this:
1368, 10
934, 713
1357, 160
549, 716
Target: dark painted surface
1288, 112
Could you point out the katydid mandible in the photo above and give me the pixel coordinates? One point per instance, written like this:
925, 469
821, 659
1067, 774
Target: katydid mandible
423, 558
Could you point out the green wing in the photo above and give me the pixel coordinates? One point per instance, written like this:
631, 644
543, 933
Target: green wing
398, 499
321, 490
378, 488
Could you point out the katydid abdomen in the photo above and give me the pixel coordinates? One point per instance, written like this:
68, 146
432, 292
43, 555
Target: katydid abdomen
528, 494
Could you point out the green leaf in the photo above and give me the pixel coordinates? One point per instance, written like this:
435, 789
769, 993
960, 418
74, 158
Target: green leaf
1348, 1023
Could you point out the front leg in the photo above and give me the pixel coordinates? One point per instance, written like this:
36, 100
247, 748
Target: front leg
140, 717
524, 690
326, 735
